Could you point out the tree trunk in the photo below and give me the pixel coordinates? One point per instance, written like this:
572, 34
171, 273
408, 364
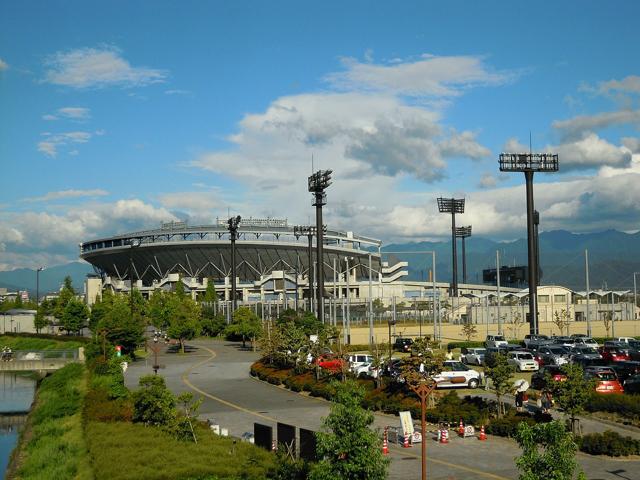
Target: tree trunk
243, 341
182, 345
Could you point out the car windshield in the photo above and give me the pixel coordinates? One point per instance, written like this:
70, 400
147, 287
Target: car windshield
607, 376
456, 366
499, 338
480, 351
557, 350
584, 350
525, 356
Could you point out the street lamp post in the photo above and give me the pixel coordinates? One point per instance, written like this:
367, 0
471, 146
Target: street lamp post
529, 163
318, 183
39, 269
635, 295
452, 206
233, 224
424, 389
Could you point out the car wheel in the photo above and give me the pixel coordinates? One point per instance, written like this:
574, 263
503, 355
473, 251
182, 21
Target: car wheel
473, 383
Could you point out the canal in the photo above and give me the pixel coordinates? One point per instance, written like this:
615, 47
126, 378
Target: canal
17, 391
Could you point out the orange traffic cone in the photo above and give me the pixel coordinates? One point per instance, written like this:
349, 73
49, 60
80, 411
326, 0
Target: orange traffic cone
461, 429
385, 443
406, 442
483, 436
444, 436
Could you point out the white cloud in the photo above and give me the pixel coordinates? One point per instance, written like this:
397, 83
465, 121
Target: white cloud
429, 76
590, 152
177, 91
3, 65
73, 113
630, 84
53, 142
488, 180
632, 143
98, 67
582, 125
64, 194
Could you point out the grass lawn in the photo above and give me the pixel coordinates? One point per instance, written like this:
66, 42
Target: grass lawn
122, 450
35, 343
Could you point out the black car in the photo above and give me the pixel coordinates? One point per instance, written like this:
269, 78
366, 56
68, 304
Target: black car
403, 344
539, 378
632, 384
625, 370
585, 362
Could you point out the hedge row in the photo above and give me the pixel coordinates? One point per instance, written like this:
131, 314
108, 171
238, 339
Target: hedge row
627, 406
608, 443
454, 345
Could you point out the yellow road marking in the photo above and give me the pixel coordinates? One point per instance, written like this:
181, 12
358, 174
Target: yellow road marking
185, 379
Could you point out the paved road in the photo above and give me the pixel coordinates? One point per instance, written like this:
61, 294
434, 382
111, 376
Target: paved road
219, 371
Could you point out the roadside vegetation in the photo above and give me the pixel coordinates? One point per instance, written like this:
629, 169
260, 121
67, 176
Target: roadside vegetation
25, 341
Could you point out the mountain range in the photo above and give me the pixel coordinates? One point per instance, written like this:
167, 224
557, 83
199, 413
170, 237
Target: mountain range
613, 259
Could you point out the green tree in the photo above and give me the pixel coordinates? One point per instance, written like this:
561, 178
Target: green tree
245, 324
118, 325
160, 308
74, 315
501, 375
469, 330
210, 294
572, 394
548, 452
18, 303
179, 289
184, 321
153, 403
184, 423
40, 321
102, 305
348, 448
66, 294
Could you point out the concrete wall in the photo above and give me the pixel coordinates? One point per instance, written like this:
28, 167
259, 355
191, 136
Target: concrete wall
17, 323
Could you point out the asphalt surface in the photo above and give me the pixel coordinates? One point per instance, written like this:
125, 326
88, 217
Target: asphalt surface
219, 372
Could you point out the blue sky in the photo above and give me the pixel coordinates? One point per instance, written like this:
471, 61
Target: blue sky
116, 116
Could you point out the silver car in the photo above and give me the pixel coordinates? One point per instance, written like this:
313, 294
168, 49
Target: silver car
474, 356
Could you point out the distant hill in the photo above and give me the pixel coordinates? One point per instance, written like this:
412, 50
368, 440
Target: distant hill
50, 278
613, 257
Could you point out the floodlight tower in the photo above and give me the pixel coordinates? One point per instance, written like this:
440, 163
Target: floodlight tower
234, 223
529, 163
318, 183
452, 206
463, 232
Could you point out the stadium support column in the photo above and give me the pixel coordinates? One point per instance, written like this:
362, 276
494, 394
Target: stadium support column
529, 163
318, 183
234, 223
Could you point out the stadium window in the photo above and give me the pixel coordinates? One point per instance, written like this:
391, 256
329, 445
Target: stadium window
543, 298
559, 298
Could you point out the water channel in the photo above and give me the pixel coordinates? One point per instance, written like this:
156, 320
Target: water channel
17, 391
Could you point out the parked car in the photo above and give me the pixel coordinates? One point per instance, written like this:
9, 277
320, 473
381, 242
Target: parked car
534, 338
616, 353
554, 372
358, 359
632, 384
495, 341
392, 368
523, 361
456, 374
625, 370
564, 341
583, 352
473, 355
554, 354
330, 362
403, 344
589, 362
606, 379
624, 339
586, 342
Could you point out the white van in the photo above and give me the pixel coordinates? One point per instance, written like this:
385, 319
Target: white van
495, 341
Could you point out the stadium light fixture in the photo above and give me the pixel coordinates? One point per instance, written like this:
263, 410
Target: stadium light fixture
529, 163
318, 182
233, 225
463, 232
452, 206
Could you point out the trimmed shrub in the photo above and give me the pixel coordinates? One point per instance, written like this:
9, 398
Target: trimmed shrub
627, 406
506, 426
454, 345
608, 443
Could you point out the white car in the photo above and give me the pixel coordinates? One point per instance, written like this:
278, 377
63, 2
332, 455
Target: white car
523, 361
359, 359
495, 341
474, 356
457, 374
624, 339
365, 369
586, 342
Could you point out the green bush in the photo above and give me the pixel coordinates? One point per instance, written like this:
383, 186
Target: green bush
608, 443
100, 407
454, 345
506, 426
627, 406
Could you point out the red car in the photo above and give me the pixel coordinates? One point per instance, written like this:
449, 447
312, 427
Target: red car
614, 354
328, 362
606, 380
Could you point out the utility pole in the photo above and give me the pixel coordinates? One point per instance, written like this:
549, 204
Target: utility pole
586, 274
234, 223
318, 183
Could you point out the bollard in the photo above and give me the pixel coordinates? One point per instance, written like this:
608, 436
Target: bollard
385, 442
461, 429
444, 436
406, 442
482, 436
